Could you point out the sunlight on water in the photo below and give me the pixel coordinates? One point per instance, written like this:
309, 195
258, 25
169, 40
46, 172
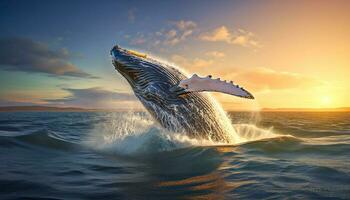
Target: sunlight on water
106, 155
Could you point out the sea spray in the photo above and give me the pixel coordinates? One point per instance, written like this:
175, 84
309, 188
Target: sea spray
226, 122
250, 132
135, 133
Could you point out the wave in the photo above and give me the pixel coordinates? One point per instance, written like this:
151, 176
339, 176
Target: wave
313, 132
120, 133
41, 138
137, 133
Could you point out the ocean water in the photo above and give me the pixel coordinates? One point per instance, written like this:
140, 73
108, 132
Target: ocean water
106, 155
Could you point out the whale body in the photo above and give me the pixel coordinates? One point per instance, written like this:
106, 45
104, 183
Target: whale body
196, 114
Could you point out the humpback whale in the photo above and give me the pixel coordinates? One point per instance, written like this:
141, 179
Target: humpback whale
161, 89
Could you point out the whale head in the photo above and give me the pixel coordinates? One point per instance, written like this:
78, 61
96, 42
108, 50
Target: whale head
139, 70
151, 82
149, 79
127, 64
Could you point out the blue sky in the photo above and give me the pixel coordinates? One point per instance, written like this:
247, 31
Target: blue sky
67, 47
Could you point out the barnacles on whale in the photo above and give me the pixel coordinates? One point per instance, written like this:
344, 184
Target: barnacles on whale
199, 84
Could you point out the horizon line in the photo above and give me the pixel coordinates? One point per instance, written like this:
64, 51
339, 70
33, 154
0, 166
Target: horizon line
84, 109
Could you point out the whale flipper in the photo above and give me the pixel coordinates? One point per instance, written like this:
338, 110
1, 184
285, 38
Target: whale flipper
198, 84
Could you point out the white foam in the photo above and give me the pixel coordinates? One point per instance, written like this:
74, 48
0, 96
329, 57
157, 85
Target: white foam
136, 133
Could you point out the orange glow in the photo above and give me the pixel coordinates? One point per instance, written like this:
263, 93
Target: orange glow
302, 62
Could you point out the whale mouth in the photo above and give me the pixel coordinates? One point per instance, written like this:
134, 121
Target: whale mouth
126, 62
119, 55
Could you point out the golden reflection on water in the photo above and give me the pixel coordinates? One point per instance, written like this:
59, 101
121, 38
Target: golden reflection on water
196, 173
211, 185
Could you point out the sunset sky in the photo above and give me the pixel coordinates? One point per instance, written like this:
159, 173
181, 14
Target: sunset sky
290, 54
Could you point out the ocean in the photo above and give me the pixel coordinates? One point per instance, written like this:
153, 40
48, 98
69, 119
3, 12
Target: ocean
116, 155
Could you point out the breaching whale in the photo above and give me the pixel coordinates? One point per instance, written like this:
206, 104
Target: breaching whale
162, 89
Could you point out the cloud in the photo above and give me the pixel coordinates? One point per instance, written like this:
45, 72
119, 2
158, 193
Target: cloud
186, 28
22, 97
262, 79
223, 34
180, 31
219, 34
191, 64
26, 55
175, 33
4, 102
215, 54
94, 98
139, 40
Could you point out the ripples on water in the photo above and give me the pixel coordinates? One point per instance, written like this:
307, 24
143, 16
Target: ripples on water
126, 156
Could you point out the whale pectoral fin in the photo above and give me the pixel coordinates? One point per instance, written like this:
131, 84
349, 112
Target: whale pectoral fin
198, 84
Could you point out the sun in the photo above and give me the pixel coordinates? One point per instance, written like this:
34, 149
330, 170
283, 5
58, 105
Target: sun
326, 100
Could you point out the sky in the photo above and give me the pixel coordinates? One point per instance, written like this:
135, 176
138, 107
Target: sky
288, 54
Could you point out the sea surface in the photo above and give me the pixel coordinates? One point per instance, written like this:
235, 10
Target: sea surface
112, 155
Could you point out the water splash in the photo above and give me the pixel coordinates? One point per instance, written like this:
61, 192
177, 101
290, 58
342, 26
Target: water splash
226, 122
134, 133
250, 132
